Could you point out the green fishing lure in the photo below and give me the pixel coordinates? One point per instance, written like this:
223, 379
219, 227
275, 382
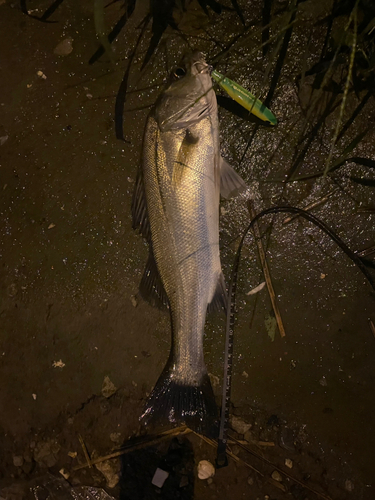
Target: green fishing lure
245, 98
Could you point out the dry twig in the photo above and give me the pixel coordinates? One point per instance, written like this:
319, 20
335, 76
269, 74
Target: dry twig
312, 205
85, 452
149, 442
266, 272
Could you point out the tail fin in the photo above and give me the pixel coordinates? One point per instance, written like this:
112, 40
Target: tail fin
175, 402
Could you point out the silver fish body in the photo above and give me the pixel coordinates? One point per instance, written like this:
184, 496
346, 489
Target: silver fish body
176, 206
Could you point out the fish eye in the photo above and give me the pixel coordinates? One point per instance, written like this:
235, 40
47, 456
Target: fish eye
179, 73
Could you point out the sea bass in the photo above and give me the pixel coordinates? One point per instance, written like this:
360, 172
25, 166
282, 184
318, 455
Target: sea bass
176, 208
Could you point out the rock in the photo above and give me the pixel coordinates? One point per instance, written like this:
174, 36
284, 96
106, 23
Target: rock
210, 480
277, 476
239, 425
12, 290
18, 460
64, 48
45, 453
108, 387
250, 481
109, 469
349, 486
205, 469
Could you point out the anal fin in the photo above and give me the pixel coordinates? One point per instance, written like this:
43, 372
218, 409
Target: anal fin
219, 301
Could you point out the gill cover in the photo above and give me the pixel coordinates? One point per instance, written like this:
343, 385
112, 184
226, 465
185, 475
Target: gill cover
189, 96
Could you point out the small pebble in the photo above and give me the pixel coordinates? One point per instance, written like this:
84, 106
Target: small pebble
134, 301
210, 480
184, 481
205, 469
277, 476
115, 437
18, 460
349, 486
288, 463
160, 477
108, 387
250, 480
12, 290
248, 437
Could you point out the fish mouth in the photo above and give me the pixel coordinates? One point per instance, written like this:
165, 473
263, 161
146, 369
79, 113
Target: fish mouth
198, 62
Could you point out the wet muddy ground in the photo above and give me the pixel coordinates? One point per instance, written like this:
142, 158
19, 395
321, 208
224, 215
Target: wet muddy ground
79, 350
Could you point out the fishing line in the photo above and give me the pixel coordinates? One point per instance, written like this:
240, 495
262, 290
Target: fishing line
221, 458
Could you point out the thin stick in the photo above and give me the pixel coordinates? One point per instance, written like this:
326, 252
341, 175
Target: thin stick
372, 327
266, 271
347, 84
312, 205
85, 452
366, 251
164, 435
229, 453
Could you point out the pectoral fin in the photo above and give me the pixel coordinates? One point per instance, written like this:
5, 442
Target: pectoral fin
181, 163
231, 183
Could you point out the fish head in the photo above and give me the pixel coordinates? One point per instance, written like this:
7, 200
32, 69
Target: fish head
189, 96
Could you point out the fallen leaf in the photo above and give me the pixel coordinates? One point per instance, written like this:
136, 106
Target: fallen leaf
257, 289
